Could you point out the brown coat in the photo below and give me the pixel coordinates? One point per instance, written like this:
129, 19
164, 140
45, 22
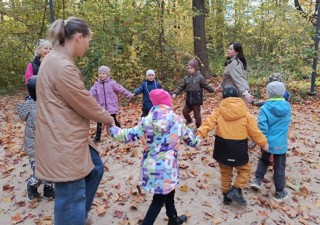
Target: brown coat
64, 111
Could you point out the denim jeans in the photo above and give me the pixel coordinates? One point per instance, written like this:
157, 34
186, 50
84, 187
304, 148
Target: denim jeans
156, 205
279, 169
73, 199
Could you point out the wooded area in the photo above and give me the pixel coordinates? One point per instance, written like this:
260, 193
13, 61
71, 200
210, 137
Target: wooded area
132, 36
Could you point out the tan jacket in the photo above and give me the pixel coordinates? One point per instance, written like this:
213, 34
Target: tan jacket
235, 75
64, 111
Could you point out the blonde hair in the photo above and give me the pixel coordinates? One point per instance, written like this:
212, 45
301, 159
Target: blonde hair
41, 44
62, 30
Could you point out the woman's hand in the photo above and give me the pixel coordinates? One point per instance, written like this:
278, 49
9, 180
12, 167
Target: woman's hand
249, 98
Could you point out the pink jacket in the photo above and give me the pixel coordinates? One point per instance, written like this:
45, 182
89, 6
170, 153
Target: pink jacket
106, 93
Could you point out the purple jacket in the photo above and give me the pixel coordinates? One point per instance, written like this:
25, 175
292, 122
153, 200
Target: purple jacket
106, 93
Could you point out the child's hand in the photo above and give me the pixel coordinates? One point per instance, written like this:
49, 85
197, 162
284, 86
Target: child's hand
173, 95
265, 148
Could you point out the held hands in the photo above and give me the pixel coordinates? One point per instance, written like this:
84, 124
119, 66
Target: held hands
249, 98
265, 148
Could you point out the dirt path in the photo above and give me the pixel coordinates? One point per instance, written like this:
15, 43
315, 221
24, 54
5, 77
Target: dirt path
120, 202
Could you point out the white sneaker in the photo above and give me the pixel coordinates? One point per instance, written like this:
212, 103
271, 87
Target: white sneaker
255, 185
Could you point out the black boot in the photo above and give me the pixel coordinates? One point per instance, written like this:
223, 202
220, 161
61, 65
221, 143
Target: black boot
226, 200
97, 137
235, 194
177, 220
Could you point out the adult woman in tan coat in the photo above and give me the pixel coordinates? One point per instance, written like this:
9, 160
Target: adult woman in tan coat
234, 73
63, 151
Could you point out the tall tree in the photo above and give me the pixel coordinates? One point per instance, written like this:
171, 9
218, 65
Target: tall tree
199, 34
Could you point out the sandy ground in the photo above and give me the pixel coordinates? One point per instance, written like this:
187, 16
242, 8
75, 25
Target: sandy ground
120, 201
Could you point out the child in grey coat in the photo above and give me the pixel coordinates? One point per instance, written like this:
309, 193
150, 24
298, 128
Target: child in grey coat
27, 112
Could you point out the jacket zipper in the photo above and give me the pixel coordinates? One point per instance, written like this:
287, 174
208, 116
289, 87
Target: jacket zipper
104, 94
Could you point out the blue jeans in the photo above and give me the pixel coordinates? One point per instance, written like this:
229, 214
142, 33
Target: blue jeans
279, 168
73, 199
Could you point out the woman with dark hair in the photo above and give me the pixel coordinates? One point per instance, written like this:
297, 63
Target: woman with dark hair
64, 153
235, 72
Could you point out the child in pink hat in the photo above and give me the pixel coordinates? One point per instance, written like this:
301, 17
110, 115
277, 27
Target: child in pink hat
159, 167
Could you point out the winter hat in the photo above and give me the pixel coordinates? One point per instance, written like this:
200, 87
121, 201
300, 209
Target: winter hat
275, 89
104, 69
194, 63
150, 72
159, 96
31, 86
230, 91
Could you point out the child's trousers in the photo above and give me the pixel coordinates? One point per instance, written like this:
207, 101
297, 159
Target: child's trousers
242, 177
196, 113
157, 202
279, 167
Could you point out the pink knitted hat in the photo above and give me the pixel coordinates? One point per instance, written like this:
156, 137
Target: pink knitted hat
159, 96
194, 63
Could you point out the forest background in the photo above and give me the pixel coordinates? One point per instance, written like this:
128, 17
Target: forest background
131, 36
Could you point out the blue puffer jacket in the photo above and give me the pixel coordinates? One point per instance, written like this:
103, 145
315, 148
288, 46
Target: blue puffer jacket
274, 120
145, 88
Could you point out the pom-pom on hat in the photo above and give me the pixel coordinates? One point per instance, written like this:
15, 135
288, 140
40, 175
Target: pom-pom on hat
275, 89
159, 96
230, 91
194, 63
31, 86
150, 72
104, 69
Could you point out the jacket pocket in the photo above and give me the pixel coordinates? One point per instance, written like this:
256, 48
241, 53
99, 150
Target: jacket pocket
194, 98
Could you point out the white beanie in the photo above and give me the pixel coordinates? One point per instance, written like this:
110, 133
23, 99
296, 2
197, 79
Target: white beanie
275, 89
149, 72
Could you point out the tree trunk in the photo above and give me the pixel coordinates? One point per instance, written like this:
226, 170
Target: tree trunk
199, 35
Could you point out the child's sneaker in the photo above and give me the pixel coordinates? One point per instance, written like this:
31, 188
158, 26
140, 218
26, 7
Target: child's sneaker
48, 191
226, 200
280, 196
236, 195
33, 193
256, 185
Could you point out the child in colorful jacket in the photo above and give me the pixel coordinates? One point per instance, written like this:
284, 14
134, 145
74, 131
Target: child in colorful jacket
27, 112
274, 120
106, 91
160, 170
233, 124
145, 88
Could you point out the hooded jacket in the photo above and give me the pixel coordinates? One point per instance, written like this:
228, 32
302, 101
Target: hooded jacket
163, 129
145, 89
27, 112
233, 124
274, 120
106, 93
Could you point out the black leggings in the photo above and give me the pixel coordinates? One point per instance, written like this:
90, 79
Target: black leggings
157, 202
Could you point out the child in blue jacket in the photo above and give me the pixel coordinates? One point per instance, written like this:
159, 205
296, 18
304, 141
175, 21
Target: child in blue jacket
274, 120
145, 88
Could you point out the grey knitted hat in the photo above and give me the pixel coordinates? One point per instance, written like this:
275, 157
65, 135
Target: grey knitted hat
275, 89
